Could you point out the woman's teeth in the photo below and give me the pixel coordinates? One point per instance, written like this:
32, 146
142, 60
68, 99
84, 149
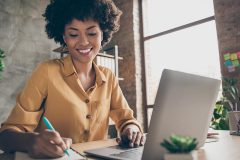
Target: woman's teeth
84, 50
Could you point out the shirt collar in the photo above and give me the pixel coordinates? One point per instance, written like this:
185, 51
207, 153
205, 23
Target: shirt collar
68, 69
100, 77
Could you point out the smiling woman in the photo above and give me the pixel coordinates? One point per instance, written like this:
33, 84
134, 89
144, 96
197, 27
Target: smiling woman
83, 40
74, 93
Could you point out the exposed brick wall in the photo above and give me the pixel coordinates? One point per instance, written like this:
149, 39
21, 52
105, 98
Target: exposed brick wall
227, 14
128, 40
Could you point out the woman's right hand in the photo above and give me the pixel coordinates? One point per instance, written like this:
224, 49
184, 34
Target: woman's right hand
48, 143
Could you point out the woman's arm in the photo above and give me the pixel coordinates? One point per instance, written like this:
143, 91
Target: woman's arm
130, 130
11, 140
38, 145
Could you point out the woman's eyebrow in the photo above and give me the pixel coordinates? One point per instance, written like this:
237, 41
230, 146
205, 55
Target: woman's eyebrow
75, 29
91, 27
72, 28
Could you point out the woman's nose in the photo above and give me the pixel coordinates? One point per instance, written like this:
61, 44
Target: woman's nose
83, 40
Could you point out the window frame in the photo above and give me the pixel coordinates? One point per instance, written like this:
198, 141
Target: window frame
152, 36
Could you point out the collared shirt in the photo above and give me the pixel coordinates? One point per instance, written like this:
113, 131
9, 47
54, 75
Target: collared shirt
55, 91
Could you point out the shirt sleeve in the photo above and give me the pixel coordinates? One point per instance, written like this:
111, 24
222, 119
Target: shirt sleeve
27, 112
120, 111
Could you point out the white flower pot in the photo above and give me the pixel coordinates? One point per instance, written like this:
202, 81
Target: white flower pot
181, 156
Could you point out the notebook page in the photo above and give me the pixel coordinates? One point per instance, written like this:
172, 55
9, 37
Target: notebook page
73, 156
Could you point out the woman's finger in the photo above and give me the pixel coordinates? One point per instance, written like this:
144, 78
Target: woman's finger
68, 142
133, 138
137, 140
143, 140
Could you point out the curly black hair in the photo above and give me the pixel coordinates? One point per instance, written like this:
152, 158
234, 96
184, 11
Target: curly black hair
61, 12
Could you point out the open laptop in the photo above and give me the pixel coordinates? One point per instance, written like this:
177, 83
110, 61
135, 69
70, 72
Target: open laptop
183, 105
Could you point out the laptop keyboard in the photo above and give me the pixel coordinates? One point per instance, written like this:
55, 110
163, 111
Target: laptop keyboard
135, 153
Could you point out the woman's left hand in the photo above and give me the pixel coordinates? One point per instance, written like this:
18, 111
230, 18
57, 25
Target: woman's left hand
131, 136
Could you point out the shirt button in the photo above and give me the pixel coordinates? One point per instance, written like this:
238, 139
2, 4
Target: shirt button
87, 101
86, 132
88, 116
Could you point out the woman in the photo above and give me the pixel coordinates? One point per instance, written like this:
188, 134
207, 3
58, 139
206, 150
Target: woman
75, 94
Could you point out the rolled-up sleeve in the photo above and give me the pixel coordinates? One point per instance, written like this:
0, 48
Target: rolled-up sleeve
27, 112
120, 111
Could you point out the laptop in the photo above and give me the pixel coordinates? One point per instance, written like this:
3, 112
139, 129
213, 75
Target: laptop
184, 106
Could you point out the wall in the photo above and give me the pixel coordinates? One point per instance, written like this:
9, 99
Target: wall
25, 44
128, 41
227, 14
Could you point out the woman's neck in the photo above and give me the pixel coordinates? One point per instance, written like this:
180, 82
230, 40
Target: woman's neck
86, 74
83, 68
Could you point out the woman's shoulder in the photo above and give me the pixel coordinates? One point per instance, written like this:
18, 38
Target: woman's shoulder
50, 64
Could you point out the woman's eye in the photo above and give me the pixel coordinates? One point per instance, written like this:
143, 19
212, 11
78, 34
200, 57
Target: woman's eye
92, 34
73, 35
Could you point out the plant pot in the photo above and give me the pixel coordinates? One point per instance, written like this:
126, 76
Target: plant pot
234, 122
181, 156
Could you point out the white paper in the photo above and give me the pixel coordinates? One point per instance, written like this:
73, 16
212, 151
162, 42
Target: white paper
73, 156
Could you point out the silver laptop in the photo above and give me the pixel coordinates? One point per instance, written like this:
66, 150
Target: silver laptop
183, 105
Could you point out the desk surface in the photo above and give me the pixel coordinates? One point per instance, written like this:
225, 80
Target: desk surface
227, 147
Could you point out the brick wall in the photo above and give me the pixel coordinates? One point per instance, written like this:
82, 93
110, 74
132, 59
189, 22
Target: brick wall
227, 14
128, 40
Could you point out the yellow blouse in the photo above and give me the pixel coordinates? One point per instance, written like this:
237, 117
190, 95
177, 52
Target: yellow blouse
55, 91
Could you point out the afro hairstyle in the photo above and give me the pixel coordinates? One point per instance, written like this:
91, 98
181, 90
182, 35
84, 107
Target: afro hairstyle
61, 12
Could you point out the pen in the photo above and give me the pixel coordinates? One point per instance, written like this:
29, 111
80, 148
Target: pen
49, 126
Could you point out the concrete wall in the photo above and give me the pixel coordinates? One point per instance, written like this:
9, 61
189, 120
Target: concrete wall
25, 43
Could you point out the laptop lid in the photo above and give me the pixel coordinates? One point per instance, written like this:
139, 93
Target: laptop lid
184, 105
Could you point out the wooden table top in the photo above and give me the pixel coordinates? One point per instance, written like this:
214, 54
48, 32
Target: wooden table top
221, 147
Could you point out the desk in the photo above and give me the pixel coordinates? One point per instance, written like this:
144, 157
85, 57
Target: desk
226, 148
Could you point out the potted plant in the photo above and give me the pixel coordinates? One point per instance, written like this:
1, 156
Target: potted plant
2, 66
227, 110
220, 119
180, 147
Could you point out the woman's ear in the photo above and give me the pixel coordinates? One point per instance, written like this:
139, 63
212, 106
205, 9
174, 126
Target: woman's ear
64, 39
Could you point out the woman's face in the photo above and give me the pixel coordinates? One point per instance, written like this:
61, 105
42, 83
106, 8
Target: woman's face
83, 39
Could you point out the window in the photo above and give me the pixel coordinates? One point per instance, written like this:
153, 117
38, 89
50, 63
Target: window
179, 35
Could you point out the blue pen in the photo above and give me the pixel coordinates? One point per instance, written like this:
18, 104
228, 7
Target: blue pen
49, 126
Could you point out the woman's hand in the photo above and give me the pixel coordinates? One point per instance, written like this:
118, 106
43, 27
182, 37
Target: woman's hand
48, 144
131, 136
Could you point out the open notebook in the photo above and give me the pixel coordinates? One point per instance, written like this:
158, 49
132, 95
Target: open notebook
73, 156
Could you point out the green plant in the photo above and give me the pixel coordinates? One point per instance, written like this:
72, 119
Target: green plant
220, 117
180, 144
230, 101
2, 56
230, 94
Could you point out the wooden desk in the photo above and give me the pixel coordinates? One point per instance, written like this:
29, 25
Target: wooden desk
226, 148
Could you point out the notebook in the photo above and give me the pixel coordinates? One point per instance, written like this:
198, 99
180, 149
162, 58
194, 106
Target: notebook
73, 156
184, 106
